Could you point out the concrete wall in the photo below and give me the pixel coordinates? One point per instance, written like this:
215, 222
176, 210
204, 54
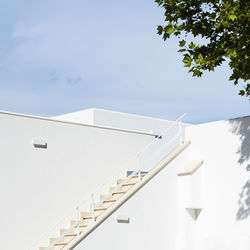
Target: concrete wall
39, 186
161, 213
225, 184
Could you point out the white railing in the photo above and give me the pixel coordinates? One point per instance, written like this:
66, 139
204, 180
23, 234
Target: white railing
141, 162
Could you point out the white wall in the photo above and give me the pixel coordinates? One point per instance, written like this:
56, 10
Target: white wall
221, 187
39, 186
225, 187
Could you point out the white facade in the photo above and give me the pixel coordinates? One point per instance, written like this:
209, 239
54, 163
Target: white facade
40, 185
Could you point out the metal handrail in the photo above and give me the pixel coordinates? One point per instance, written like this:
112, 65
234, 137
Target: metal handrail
139, 169
134, 173
140, 152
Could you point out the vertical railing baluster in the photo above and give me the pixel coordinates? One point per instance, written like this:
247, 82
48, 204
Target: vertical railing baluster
138, 167
78, 220
180, 131
93, 207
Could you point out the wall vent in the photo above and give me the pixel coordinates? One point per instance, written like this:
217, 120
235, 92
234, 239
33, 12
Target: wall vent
122, 218
39, 143
194, 212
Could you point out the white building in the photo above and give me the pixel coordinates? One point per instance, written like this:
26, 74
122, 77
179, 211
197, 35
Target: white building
175, 186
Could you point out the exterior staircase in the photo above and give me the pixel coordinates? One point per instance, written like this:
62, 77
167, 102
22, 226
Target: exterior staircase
89, 220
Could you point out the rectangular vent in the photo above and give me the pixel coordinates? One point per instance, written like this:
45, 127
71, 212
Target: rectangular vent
39, 143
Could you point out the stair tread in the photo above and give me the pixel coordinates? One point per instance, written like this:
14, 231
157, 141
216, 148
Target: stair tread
137, 176
70, 234
129, 182
111, 199
82, 224
100, 208
87, 215
53, 248
60, 243
119, 191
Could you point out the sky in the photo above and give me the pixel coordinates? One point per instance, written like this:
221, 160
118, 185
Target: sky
61, 56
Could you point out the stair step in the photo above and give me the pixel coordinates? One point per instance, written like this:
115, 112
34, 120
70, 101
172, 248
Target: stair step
117, 196
104, 205
101, 207
53, 248
60, 243
121, 190
111, 199
131, 181
136, 176
87, 215
98, 209
82, 224
73, 233
65, 240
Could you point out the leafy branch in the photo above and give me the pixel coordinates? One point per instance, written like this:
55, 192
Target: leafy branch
225, 26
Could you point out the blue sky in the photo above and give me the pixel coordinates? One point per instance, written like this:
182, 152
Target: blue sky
60, 56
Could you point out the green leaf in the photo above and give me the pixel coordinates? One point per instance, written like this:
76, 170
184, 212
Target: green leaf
242, 92
191, 45
182, 43
197, 61
159, 30
187, 60
213, 15
225, 23
232, 17
170, 30
165, 36
181, 50
200, 57
217, 25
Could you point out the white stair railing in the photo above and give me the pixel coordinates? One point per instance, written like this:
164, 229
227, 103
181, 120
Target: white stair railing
143, 161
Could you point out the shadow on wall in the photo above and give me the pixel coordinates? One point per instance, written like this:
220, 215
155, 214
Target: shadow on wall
241, 127
244, 202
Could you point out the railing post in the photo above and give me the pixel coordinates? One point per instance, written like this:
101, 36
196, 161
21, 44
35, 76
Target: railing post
180, 131
138, 167
78, 220
93, 207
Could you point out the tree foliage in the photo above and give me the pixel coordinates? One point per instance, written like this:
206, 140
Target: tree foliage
225, 26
